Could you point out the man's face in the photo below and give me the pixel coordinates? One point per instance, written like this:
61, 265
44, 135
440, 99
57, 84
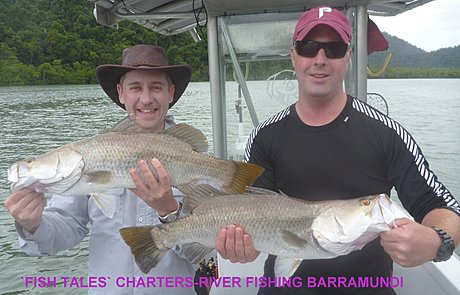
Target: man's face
320, 77
146, 95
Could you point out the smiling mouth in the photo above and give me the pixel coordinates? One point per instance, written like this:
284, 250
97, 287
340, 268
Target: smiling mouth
319, 75
147, 110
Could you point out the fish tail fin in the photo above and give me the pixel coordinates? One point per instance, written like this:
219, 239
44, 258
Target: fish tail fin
146, 252
196, 193
245, 175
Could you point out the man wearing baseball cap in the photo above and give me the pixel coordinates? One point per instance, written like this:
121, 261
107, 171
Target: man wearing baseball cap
146, 86
330, 145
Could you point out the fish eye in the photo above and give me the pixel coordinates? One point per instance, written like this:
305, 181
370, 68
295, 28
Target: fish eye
29, 160
365, 202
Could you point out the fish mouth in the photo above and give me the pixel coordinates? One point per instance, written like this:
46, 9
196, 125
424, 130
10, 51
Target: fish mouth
13, 173
29, 183
17, 181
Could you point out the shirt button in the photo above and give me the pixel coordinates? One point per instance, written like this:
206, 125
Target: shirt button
140, 219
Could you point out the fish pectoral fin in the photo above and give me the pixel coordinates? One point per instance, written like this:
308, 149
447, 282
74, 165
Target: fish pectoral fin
145, 251
292, 240
195, 252
186, 133
107, 202
99, 177
286, 267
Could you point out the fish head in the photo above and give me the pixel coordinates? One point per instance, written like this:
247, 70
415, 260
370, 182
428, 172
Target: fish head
45, 171
351, 224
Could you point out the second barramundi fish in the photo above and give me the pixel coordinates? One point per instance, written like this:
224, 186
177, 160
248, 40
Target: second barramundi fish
290, 228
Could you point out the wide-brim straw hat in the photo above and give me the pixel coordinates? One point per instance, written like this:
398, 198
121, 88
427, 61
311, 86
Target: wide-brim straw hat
143, 57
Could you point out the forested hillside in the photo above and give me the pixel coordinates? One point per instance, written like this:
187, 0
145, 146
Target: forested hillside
410, 61
59, 42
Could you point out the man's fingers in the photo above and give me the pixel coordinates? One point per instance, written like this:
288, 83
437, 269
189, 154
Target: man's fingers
163, 176
149, 178
235, 245
251, 252
22, 203
230, 242
220, 243
239, 244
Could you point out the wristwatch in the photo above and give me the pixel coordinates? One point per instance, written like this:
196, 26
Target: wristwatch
171, 216
447, 246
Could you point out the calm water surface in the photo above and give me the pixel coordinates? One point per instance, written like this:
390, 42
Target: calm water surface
36, 119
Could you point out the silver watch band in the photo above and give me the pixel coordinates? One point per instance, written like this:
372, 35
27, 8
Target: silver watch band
171, 216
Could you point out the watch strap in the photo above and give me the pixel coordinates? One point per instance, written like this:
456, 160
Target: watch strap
171, 216
447, 247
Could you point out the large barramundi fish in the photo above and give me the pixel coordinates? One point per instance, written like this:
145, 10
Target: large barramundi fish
291, 228
95, 165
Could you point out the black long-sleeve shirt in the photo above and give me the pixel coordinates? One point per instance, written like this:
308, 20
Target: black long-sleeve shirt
361, 152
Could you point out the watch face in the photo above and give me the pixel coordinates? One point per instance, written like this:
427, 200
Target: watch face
446, 250
447, 247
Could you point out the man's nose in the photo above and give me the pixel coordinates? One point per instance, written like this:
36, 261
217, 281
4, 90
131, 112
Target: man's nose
146, 96
321, 57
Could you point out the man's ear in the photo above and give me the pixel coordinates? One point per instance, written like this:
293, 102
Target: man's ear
292, 53
120, 91
171, 93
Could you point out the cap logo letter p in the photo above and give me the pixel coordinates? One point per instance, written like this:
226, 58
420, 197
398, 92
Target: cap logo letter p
322, 10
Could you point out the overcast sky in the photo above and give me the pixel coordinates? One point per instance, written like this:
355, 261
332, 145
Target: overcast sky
430, 27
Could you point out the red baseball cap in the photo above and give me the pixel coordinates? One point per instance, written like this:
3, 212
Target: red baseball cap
323, 15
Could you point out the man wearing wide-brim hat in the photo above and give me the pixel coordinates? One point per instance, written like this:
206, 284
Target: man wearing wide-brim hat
146, 86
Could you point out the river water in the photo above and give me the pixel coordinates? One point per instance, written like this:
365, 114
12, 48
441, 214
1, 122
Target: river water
35, 119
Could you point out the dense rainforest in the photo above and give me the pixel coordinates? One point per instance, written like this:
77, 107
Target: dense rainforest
59, 42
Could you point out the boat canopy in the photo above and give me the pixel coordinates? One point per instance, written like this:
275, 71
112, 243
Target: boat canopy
169, 17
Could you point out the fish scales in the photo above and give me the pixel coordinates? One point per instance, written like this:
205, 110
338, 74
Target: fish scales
119, 152
263, 217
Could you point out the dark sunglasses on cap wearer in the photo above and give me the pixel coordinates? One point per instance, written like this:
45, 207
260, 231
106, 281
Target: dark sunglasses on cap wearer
310, 48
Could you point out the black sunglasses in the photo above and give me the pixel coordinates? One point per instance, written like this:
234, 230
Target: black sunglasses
334, 49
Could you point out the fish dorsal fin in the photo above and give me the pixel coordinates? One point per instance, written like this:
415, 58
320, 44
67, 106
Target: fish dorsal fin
127, 124
194, 137
261, 191
283, 194
285, 266
184, 132
196, 194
